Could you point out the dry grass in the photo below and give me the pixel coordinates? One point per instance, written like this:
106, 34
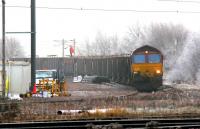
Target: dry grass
166, 103
126, 108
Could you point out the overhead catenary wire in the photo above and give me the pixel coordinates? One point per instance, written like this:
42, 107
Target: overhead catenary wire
105, 10
181, 1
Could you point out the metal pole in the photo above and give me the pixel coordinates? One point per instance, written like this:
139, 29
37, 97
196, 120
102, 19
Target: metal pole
3, 48
63, 49
74, 46
33, 43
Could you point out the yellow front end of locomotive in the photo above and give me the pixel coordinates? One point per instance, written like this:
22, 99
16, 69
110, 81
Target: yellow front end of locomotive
147, 69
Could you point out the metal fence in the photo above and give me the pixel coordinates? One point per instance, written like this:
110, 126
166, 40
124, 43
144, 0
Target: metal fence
116, 68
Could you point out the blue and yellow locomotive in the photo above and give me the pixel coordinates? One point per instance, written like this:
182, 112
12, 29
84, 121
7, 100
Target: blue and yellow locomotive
147, 68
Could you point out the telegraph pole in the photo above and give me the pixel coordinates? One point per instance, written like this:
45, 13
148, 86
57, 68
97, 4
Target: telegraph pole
63, 48
3, 49
33, 43
63, 41
74, 46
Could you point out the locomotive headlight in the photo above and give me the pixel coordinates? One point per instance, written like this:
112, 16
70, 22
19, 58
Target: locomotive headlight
158, 71
135, 72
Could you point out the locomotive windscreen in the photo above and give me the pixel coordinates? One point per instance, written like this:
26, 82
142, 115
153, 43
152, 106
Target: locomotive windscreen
138, 59
154, 58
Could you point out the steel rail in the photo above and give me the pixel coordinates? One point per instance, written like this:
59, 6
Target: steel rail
125, 123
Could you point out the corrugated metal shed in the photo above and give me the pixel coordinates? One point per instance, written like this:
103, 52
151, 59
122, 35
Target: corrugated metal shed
18, 77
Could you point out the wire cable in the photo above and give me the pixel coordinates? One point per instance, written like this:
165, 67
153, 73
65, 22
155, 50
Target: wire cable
180, 1
107, 10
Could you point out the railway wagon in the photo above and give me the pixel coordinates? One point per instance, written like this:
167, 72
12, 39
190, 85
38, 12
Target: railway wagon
143, 68
146, 68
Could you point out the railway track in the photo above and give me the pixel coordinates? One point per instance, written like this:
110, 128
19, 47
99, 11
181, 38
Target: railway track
108, 124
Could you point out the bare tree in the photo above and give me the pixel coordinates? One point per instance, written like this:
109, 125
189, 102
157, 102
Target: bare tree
136, 37
103, 45
115, 45
168, 38
88, 48
12, 49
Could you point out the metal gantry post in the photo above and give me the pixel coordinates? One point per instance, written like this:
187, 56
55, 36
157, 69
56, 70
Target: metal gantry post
107, 74
3, 49
74, 46
85, 68
92, 65
33, 43
112, 70
63, 48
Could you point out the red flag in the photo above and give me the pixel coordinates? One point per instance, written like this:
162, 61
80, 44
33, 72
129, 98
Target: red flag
71, 50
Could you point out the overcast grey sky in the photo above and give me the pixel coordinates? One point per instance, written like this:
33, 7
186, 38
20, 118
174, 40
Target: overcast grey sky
82, 19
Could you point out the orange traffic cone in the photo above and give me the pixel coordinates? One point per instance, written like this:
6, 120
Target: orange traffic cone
34, 89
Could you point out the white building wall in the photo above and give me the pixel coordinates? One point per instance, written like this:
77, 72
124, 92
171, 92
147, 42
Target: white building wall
19, 76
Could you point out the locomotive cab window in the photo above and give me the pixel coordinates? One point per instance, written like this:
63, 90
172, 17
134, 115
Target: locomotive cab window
154, 58
139, 58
